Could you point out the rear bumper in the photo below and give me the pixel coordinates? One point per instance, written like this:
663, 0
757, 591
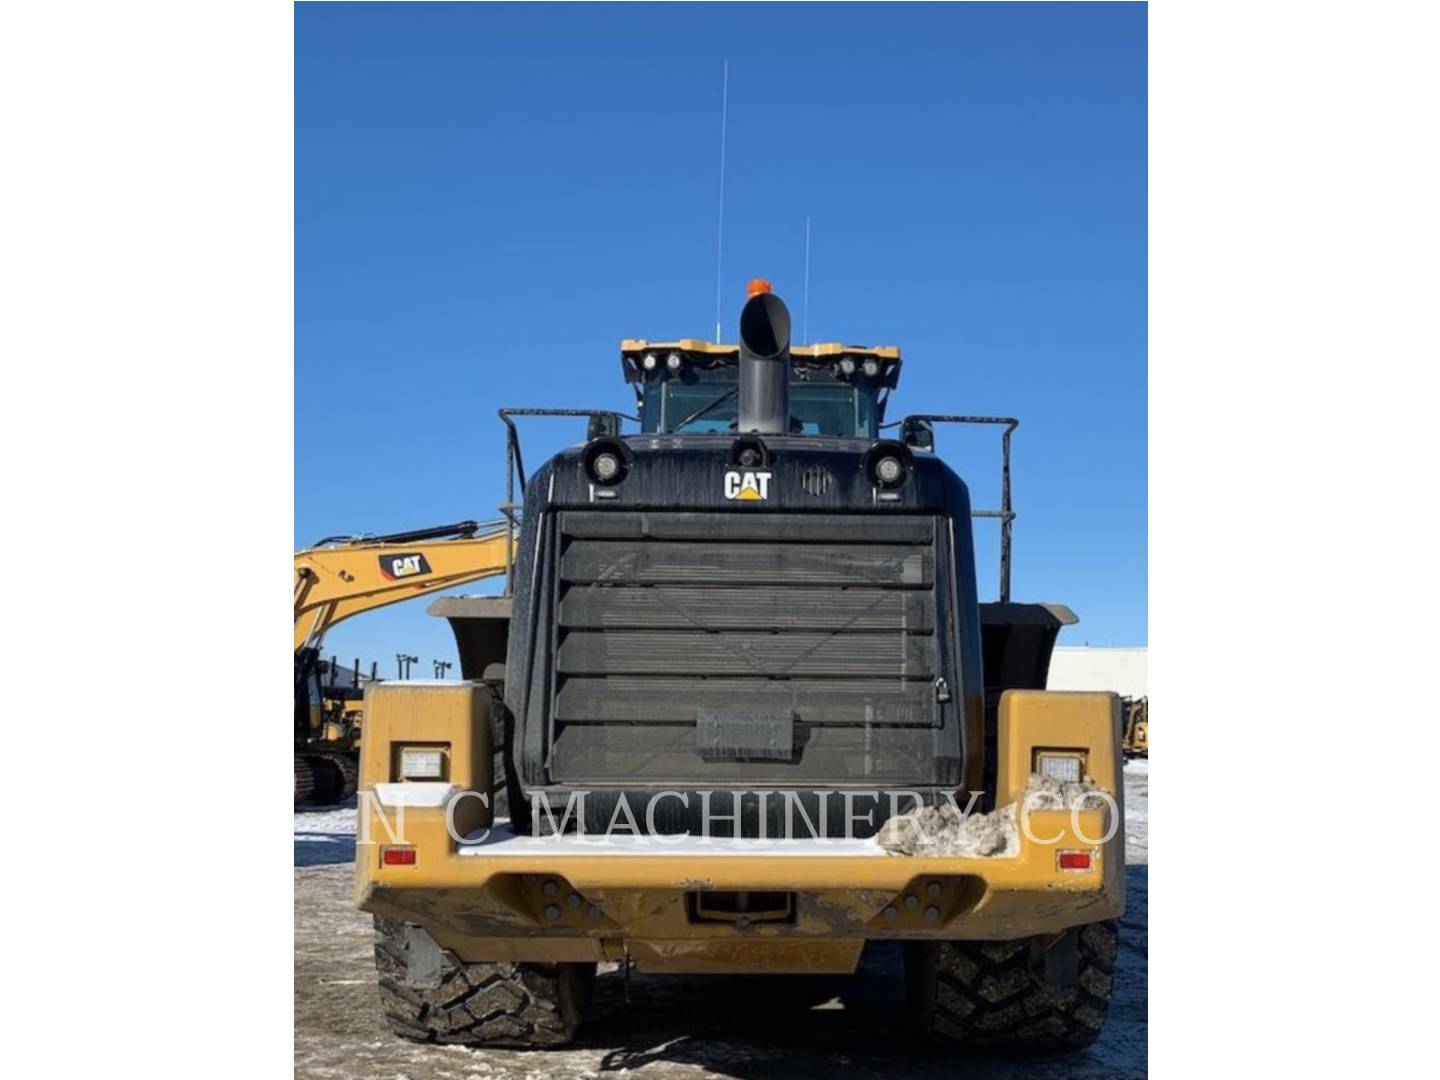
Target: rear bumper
691, 904
667, 903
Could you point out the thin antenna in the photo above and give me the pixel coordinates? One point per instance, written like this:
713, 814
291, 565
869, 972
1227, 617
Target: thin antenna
805, 317
720, 226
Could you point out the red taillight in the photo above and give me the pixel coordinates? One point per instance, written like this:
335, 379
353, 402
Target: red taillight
1073, 860
398, 856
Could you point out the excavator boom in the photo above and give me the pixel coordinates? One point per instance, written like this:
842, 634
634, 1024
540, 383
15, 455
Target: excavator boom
336, 580
344, 576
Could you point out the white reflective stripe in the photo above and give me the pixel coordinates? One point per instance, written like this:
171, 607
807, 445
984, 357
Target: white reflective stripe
503, 841
416, 793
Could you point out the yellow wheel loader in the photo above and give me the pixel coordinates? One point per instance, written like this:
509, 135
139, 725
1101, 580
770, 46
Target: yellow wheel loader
344, 576
753, 716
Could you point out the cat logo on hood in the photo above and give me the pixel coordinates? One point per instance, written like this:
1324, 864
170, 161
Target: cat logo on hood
747, 485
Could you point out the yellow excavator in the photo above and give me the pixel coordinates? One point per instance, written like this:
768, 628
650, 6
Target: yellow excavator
1135, 727
342, 576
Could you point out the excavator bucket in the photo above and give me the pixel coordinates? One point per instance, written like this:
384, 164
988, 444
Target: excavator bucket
481, 625
1016, 643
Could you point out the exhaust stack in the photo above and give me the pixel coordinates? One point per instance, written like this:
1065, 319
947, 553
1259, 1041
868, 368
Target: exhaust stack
764, 366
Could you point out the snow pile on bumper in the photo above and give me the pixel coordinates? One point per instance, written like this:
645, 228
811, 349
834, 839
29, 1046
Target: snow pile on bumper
1043, 793
947, 830
944, 830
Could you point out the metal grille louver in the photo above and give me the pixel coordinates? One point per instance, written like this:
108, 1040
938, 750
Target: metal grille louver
824, 623
815, 480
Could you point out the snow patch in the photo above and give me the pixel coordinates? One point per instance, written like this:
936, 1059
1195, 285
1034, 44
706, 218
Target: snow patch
945, 830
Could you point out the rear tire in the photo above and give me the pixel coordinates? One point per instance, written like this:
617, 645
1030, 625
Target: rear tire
1011, 993
482, 1004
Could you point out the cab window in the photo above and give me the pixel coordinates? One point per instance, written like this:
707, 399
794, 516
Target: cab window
825, 408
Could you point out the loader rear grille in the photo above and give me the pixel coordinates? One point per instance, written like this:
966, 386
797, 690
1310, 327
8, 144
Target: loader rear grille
694, 646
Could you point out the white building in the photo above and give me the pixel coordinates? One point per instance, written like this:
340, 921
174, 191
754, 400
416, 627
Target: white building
1085, 668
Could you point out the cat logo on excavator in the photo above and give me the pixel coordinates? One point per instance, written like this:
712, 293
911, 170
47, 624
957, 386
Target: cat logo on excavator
394, 567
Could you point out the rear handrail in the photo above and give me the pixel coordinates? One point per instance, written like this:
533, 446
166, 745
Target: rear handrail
1006, 513
515, 465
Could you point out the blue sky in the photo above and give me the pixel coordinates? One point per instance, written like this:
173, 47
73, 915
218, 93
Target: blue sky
489, 197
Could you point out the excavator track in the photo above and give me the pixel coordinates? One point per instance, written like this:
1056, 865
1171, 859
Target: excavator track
336, 775
304, 781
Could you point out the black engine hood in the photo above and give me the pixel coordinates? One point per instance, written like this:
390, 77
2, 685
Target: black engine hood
692, 472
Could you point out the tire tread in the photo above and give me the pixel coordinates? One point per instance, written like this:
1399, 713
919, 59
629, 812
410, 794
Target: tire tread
480, 1004
992, 994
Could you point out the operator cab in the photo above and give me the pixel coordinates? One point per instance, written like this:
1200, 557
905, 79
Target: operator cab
691, 387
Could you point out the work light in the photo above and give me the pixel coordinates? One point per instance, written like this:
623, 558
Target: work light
422, 763
606, 466
1063, 767
606, 462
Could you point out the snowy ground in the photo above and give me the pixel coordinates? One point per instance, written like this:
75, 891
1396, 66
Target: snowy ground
325, 835
677, 1026
1137, 812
